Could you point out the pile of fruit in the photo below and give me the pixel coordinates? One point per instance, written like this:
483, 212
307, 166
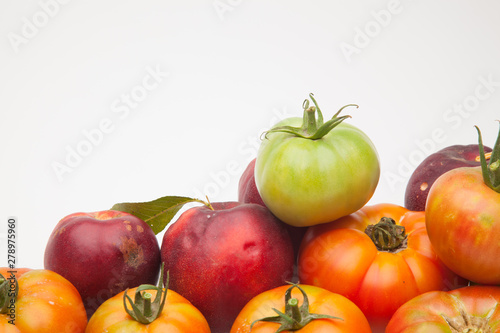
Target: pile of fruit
299, 251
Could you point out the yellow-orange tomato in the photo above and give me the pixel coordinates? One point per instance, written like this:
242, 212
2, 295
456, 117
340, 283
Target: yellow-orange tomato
46, 303
348, 317
178, 315
378, 273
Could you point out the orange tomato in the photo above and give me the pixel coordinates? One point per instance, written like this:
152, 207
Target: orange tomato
378, 273
46, 303
348, 318
177, 315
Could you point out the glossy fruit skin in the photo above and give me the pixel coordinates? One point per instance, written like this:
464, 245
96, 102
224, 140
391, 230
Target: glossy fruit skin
463, 222
424, 313
219, 259
178, 315
435, 165
46, 303
377, 281
321, 301
247, 189
307, 182
248, 193
103, 253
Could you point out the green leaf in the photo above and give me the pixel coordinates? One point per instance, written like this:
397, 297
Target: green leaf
157, 213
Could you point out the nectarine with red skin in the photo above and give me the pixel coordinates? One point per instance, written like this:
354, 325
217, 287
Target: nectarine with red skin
219, 259
103, 253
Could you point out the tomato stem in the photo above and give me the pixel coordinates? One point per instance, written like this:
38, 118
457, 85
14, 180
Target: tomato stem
491, 170
143, 309
387, 235
295, 317
312, 128
309, 125
294, 305
147, 304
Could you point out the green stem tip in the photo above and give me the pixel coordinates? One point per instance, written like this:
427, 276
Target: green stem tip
313, 127
144, 309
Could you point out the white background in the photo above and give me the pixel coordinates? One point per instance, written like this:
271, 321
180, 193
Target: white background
226, 71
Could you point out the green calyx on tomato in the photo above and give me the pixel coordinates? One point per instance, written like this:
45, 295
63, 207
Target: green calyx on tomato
8, 293
491, 169
295, 316
313, 128
144, 310
309, 171
387, 235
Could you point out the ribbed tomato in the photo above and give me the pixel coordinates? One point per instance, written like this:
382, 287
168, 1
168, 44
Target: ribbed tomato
311, 310
471, 309
379, 257
42, 302
147, 309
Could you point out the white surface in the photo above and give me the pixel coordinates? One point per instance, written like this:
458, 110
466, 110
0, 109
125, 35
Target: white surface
234, 68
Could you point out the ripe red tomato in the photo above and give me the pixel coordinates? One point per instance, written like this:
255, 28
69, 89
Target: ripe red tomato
468, 309
147, 309
380, 272
463, 219
311, 301
46, 303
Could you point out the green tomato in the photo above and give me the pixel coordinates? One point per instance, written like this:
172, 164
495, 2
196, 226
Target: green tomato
309, 172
